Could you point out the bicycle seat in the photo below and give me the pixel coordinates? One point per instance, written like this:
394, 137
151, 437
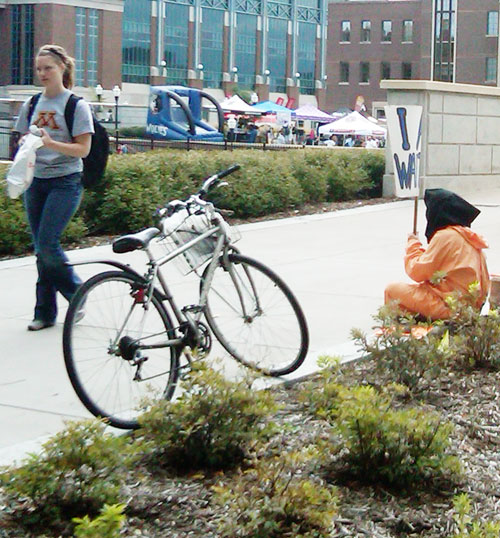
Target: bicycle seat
130, 242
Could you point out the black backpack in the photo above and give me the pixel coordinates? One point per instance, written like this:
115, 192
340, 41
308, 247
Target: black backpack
94, 164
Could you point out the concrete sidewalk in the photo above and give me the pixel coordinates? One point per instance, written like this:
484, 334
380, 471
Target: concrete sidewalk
337, 264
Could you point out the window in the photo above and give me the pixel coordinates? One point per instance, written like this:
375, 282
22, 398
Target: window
345, 31
366, 30
406, 71
385, 70
364, 72
136, 41
306, 56
444, 40
212, 46
407, 31
491, 70
492, 23
344, 73
386, 31
276, 54
22, 39
175, 43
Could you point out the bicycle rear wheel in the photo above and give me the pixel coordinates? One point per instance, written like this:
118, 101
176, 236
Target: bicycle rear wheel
111, 375
255, 316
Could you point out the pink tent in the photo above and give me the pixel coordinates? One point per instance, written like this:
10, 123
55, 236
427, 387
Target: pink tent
310, 112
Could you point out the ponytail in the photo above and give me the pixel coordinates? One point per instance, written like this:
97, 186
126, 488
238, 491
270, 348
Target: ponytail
64, 59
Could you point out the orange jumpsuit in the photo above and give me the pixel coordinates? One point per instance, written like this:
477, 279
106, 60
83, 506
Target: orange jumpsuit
456, 251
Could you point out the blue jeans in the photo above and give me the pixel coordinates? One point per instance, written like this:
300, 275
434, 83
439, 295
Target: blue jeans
50, 204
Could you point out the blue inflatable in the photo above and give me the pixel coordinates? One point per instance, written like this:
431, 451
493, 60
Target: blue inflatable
175, 114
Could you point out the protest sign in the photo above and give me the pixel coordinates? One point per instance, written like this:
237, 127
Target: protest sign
404, 125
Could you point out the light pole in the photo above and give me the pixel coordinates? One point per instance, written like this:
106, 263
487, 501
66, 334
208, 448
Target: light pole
235, 74
98, 92
116, 94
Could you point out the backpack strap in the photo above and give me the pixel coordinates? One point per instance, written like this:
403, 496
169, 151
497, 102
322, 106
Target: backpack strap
31, 107
69, 112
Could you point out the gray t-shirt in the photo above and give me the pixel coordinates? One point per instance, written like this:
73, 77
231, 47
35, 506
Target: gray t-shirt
49, 114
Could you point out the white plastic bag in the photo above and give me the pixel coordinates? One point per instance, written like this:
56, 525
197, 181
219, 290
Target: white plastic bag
20, 174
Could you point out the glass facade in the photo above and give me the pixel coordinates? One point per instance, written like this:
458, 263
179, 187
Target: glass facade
86, 46
212, 46
245, 48
276, 54
306, 56
22, 38
81, 23
92, 46
176, 43
444, 40
136, 41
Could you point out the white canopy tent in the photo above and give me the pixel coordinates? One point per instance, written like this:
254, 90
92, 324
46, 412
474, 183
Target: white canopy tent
354, 124
236, 104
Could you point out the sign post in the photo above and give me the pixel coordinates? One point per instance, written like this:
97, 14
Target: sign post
404, 125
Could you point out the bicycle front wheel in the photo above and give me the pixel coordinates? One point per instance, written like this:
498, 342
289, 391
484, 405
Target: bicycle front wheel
255, 316
110, 372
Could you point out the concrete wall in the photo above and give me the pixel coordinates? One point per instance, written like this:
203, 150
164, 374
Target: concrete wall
460, 134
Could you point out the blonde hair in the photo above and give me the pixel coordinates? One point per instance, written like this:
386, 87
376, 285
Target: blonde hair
63, 58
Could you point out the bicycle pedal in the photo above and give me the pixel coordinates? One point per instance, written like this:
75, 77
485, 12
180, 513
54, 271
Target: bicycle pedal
195, 308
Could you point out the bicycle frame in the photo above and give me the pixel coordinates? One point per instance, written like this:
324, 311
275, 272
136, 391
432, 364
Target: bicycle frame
154, 274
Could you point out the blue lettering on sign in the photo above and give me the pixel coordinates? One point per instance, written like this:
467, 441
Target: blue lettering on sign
407, 173
404, 128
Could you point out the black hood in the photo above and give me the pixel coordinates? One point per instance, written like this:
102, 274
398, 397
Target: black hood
445, 208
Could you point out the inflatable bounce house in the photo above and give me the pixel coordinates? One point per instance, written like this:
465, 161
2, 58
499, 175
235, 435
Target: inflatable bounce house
175, 114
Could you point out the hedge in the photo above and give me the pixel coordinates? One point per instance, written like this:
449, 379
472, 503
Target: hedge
269, 181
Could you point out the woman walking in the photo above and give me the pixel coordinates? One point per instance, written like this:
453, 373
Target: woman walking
56, 191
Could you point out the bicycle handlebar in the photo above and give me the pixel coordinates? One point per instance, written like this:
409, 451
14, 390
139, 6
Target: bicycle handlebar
196, 199
213, 180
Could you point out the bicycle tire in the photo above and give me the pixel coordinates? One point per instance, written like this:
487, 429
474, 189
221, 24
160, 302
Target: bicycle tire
271, 336
100, 374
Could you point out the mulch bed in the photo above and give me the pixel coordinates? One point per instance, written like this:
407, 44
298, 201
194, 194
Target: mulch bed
181, 506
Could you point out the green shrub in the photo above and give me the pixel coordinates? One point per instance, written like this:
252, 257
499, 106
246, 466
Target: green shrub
276, 499
346, 177
373, 162
377, 442
211, 425
475, 338
467, 527
401, 358
309, 169
270, 181
77, 471
15, 235
106, 525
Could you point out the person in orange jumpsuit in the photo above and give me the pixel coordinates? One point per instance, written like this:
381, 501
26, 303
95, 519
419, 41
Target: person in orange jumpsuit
453, 260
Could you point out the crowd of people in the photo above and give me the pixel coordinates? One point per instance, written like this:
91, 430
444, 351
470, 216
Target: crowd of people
292, 133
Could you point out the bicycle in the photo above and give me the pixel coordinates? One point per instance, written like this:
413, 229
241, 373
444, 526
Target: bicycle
127, 345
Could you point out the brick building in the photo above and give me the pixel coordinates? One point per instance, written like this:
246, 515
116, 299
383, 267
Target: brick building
273, 47
372, 40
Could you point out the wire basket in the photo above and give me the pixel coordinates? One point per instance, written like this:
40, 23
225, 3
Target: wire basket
182, 227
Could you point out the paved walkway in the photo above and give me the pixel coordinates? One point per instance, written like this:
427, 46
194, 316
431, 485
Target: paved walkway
336, 263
